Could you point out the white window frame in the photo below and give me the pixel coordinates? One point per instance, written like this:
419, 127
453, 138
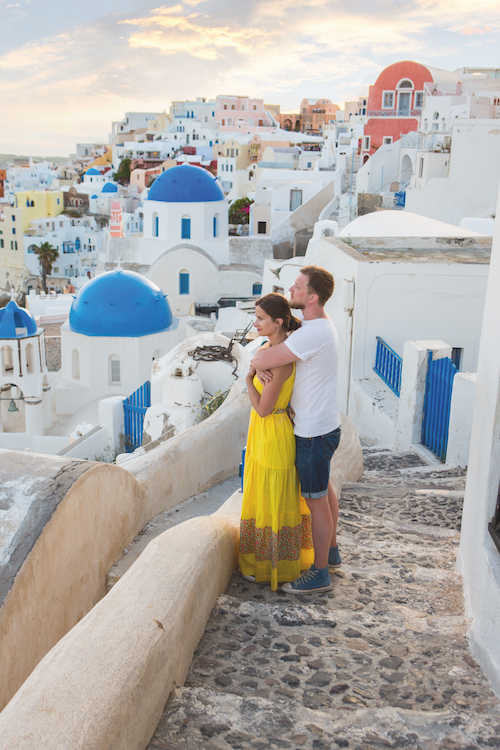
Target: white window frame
387, 106
387, 140
405, 88
421, 95
367, 142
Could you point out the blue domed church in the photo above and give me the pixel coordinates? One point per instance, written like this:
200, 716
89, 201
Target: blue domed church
119, 322
185, 246
186, 233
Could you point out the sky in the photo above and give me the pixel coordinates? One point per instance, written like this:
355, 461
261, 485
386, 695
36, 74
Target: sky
67, 70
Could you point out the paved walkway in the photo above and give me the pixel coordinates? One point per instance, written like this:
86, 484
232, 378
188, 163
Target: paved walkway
381, 661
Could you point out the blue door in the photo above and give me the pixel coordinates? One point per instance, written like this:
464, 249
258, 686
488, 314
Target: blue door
437, 402
134, 408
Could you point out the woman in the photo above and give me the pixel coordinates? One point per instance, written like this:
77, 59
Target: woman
275, 529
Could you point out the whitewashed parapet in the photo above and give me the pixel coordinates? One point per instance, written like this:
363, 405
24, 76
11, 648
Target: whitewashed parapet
460, 424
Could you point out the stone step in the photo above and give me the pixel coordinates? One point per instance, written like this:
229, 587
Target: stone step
203, 719
272, 671
381, 660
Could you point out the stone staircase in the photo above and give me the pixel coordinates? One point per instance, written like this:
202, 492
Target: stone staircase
380, 661
352, 164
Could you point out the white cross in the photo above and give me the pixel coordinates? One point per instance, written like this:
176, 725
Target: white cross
13, 294
119, 264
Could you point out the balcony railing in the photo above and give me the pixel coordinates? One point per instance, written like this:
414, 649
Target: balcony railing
388, 366
394, 113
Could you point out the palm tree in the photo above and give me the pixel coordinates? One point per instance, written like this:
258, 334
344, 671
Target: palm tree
46, 256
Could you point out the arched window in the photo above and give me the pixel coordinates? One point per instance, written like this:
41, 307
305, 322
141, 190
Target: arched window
114, 370
184, 281
405, 84
7, 361
156, 225
186, 228
30, 358
216, 225
229, 120
223, 122
75, 364
250, 120
257, 289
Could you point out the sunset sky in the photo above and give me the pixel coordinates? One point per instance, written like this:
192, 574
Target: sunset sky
68, 69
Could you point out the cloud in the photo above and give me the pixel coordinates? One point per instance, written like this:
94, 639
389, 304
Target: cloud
68, 86
473, 30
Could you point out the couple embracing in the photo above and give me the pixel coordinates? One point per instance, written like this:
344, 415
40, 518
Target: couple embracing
290, 510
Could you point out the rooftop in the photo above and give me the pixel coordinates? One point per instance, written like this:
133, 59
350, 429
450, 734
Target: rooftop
473, 250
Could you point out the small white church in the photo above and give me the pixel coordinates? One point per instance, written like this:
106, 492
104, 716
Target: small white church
185, 248
118, 324
24, 384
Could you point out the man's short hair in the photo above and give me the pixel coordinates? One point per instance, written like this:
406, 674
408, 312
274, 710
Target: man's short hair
320, 282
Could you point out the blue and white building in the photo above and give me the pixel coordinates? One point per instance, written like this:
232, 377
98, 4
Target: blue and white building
24, 384
118, 324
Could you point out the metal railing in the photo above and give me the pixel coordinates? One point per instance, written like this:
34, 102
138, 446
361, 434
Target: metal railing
388, 366
394, 113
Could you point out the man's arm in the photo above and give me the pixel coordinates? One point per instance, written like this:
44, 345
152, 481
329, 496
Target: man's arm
274, 356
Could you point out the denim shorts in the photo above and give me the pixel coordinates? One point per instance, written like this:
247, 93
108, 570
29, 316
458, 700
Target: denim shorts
312, 459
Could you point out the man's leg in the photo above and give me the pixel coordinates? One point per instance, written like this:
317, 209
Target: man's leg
334, 509
322, 528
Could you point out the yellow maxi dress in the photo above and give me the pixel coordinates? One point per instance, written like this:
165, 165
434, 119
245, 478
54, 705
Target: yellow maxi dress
275, 528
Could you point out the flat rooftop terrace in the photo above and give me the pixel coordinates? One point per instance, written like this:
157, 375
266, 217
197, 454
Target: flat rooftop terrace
419, 249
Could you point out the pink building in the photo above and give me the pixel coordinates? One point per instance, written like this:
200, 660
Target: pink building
395, 102
241, 113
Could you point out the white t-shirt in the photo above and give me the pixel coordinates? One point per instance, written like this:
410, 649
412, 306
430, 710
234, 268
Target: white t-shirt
314, 396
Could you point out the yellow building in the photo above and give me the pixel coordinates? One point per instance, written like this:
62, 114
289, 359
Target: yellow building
159, 123
30, 205
102, 161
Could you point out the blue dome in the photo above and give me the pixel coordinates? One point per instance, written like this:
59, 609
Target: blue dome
93, 196
110, 188
186, 184
93, 171
14, 317
120, 303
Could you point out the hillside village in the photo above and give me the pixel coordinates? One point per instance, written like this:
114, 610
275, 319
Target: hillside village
128, 279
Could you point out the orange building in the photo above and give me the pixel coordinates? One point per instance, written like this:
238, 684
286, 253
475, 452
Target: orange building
315, 113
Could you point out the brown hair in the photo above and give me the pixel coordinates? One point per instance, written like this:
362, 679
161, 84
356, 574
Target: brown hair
276, 306
320, 282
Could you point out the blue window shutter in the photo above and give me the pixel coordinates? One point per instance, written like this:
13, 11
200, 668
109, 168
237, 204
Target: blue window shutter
183, 283
215, 226
186, 229
257, 289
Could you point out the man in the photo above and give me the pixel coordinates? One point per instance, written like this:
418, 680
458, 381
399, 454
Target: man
314, 347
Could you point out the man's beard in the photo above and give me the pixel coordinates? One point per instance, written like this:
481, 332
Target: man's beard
296, 305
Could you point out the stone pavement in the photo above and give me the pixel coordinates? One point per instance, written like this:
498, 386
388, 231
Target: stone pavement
380, 661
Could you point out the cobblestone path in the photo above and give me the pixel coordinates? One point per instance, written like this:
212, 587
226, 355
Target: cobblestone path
380, 661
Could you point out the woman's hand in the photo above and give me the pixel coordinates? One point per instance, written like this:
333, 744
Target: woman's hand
251, 373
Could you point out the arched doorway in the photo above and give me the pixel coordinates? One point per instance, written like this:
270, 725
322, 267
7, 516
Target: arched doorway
406, 170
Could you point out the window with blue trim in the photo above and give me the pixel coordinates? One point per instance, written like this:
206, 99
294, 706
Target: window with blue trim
184, 282
186, 228
257, 289
215, 226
